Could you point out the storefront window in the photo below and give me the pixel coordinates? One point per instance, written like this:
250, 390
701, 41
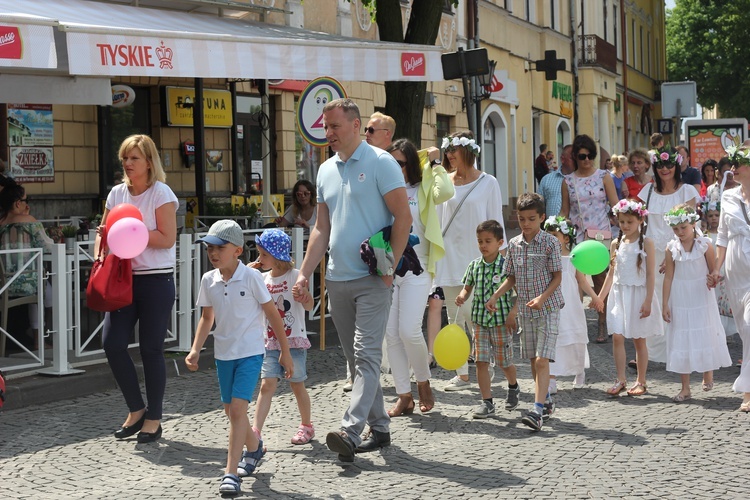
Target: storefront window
306, 155
115, 124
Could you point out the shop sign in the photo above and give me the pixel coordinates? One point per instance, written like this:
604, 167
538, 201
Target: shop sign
31, 141
122, 96
413, 64
564, 93
10, 43
217, 107
503, 88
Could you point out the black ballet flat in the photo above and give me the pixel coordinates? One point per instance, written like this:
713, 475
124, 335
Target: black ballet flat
149, 437
128, 431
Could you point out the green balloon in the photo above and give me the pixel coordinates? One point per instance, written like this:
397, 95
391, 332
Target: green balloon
590, 257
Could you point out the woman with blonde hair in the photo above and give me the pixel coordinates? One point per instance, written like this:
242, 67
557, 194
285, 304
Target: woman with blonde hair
153, 288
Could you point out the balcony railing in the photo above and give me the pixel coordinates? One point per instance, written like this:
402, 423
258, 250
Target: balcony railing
595, 51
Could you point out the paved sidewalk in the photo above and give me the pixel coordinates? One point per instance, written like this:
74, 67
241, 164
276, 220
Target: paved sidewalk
593, 447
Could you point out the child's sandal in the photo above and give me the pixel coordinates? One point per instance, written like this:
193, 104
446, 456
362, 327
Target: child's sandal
304, 434
230, 485
637, 389
250, 460
617, 388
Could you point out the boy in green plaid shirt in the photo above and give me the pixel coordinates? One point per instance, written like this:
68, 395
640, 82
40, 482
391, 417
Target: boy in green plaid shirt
493, 337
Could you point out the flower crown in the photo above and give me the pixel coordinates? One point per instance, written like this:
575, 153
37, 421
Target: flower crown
630, 207
706, 204
663, 157
677, 216
738, 156
454, 142
560, 223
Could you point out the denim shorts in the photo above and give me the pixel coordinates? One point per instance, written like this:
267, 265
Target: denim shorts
238, 377
272, 368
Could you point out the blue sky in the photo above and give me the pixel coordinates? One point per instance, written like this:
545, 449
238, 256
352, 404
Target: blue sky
669, 4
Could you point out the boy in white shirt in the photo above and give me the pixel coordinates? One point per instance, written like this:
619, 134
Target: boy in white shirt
236, 297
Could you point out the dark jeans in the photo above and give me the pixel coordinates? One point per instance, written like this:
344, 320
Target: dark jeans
153, 297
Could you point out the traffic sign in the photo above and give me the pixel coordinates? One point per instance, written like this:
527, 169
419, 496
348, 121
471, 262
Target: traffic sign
317, 94
665, 126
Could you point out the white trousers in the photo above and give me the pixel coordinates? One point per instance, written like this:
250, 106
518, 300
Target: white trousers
406, 342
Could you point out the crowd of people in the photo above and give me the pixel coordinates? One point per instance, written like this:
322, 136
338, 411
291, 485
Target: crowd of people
676, 280
404, 231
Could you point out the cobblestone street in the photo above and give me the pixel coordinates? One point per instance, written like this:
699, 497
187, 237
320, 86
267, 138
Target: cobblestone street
593, 447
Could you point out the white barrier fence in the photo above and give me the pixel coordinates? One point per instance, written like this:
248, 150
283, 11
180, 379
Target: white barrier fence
75, 331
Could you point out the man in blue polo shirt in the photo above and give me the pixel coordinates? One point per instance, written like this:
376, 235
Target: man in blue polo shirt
360, 191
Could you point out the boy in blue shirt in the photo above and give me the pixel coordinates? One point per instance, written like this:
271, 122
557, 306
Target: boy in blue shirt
236, 297
534, 267
492, 330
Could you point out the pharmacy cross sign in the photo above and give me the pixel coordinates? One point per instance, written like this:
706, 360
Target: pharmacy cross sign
550, 65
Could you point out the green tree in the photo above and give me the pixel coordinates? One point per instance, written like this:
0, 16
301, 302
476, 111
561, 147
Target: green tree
404, 101
705, 44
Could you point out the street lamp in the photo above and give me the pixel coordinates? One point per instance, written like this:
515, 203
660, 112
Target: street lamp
485, 82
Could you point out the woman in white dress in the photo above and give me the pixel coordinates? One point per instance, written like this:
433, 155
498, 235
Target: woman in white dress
477, 198
733, 251
665, 193
694, 333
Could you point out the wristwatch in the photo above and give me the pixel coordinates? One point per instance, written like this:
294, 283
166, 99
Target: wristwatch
436, 162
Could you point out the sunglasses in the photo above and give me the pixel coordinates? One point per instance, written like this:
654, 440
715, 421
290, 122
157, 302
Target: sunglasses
25, 200
372, 130
583, 156
401, 162
668, 166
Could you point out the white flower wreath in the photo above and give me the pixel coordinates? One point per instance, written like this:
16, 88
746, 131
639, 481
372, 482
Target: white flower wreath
454, 142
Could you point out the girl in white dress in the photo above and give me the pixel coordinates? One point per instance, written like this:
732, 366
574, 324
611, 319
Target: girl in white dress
632, 311
667, 191
572, 355
711, 211
695, 336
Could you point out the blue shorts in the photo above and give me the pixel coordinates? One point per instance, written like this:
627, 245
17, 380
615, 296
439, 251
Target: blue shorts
272, 368
238, 377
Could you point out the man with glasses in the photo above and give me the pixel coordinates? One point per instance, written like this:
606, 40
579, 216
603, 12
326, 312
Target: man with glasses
379, 130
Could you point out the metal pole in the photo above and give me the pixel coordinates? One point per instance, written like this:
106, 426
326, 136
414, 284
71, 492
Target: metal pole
233, 141
476, 86
467, 91
200, 147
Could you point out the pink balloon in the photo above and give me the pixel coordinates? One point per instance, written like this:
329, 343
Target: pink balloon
127, 238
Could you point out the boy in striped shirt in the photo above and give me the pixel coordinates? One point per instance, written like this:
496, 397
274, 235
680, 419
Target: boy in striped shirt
493, 337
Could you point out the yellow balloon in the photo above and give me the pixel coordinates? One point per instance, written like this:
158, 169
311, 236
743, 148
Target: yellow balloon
451, 348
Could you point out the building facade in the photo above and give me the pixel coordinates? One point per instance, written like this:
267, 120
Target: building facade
614, 62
